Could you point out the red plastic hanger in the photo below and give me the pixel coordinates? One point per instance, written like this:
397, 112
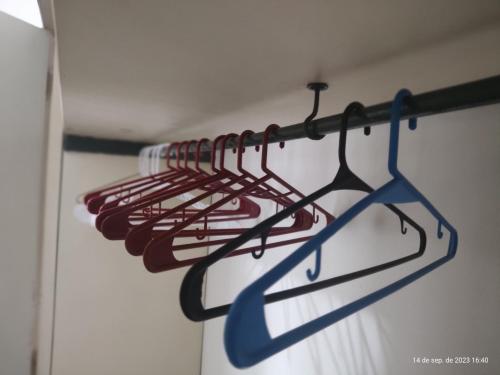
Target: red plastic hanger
245, 210
115, 224
159, 253
184, 175
140, 235
112, 196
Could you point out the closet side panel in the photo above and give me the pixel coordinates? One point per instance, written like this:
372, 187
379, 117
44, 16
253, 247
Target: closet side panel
24, 54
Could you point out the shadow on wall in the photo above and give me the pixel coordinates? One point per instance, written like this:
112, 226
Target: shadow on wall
348, 347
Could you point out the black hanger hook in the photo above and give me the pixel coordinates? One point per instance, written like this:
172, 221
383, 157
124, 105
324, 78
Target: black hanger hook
309, 127
353, 108
403, 228
263, 239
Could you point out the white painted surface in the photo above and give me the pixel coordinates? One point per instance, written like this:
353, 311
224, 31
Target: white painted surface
112, 315
50, 224
156, 70
23, 73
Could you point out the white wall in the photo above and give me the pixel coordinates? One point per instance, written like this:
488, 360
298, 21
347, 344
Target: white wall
112, 316
50, 223
453, 159
24, 60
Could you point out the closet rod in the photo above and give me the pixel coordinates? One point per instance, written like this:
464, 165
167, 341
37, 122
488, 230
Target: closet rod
468, 95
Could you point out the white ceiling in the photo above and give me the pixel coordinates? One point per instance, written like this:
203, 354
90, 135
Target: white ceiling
155, 70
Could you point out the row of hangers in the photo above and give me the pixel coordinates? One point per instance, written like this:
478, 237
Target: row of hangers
189, 203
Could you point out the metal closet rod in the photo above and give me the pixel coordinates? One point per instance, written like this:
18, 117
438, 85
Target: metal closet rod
467, 95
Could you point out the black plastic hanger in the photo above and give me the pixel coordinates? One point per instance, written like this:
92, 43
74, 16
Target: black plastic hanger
345, 179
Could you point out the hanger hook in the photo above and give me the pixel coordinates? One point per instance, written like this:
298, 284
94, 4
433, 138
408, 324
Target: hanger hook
178, 149
354, 108
404, 230
412, 121
313, 275
198, 152
186, 152
223, 149
309, 126
214, 151
241, 148
263, 240
159, 157
205, 228
402, 97
184, 145
315, 215
169, 150
152, 160
265, 142
440, 230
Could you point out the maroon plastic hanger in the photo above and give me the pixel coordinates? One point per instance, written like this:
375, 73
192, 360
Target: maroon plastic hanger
146, 196
124, 192
245, 210
159, 253
114, 224
140, 235
183, 175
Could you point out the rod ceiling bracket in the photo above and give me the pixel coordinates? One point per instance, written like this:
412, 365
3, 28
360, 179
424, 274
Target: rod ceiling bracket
309, 126
317, 86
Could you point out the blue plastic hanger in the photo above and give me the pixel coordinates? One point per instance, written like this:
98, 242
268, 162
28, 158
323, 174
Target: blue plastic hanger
246, 337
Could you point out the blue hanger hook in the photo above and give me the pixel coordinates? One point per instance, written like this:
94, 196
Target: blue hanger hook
402, 96
313, 275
